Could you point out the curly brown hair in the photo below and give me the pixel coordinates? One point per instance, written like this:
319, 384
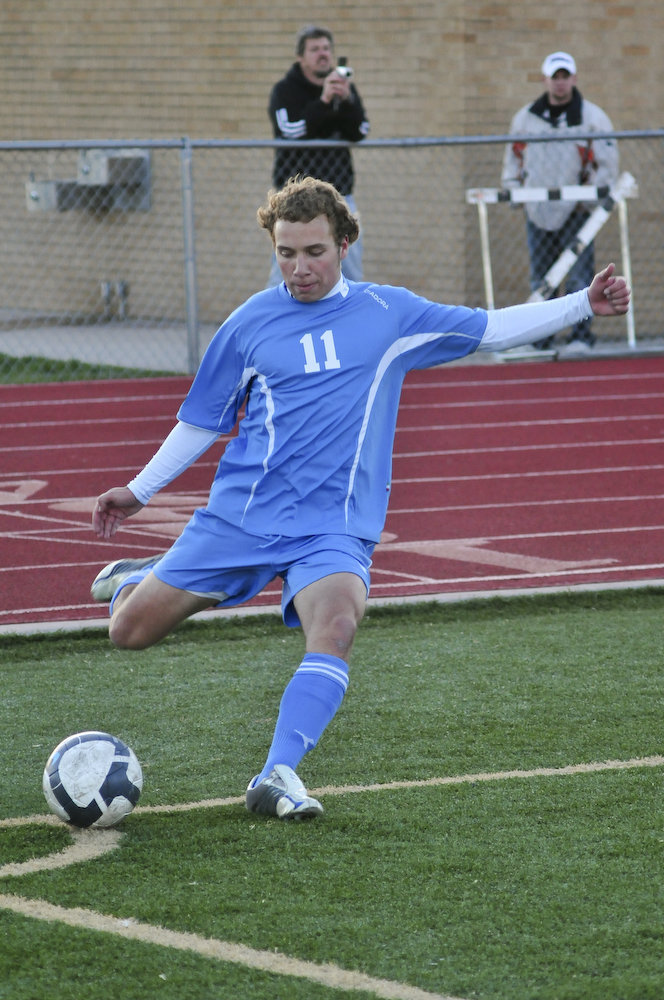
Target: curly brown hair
303, 199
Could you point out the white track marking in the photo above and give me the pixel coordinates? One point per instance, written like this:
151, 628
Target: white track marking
541, 474
504, 400
87, 401
548, 422
444, 384
475, 450
496, 392
422, 431
53, 608
597, 571
19, 490
528, 503
566, 379
384, 545
517, 448
37, 567
153, 442
526, 401
475, 550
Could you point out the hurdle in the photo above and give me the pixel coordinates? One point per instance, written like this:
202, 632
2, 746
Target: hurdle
608, 197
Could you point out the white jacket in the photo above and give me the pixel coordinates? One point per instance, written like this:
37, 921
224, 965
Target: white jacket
554, 164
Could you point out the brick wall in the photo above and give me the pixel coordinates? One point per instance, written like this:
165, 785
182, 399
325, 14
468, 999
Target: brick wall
156, 68
146, 69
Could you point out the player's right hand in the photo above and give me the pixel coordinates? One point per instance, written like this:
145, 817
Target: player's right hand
112, 508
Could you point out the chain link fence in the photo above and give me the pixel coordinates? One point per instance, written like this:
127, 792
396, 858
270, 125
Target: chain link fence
129, 255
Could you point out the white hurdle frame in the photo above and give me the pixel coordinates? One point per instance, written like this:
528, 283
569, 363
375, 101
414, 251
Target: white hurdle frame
608, 197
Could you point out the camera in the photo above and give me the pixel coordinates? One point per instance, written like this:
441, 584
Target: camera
342, 69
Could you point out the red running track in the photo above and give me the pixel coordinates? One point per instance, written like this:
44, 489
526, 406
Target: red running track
506, 477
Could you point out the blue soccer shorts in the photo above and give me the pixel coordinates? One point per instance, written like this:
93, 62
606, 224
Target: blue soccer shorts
215, 559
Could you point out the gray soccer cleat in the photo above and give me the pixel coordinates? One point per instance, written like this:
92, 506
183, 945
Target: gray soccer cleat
107, 582
282, 794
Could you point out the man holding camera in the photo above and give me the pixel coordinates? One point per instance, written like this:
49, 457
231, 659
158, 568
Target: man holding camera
318, 100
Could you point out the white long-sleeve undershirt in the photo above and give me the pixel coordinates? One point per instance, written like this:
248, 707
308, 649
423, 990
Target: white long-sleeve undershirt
515, 326
181, 448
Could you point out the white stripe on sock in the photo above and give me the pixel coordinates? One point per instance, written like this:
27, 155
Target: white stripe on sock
325, 670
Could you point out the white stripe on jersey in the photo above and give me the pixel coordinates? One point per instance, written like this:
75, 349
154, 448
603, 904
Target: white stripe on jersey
400, 346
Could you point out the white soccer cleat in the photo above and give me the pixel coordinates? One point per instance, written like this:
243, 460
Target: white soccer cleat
282, 794
107, 582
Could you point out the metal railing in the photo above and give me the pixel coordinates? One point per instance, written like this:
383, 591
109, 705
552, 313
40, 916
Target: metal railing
131, 253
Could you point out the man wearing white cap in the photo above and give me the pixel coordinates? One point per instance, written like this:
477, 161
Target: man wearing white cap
552, 225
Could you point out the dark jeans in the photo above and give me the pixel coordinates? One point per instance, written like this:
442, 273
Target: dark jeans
544, 248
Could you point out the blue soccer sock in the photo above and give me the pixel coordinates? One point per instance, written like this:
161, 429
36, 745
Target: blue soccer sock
310, 701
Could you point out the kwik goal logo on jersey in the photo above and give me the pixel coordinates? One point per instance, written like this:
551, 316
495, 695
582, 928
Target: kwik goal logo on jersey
381, 302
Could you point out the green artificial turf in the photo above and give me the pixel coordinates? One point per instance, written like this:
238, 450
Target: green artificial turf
542, 887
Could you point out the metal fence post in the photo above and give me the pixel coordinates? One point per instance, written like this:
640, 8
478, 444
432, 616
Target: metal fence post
189, 240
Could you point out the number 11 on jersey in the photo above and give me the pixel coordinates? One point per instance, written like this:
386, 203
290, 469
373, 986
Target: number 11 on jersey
311, 364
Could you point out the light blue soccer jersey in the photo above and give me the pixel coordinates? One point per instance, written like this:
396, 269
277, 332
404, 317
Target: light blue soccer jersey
321, 383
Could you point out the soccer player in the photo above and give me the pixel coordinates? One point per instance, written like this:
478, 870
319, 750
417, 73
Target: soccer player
302, 491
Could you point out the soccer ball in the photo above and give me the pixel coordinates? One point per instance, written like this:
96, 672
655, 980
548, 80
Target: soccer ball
92, 779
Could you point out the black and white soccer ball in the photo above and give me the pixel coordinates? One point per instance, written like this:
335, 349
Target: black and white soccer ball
92, 779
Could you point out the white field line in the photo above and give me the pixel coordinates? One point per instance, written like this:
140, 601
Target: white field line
332, 976
87, 845
90, 844
458, 779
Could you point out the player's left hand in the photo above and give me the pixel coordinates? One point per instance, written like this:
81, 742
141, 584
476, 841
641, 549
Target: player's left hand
609, 294
111, 509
